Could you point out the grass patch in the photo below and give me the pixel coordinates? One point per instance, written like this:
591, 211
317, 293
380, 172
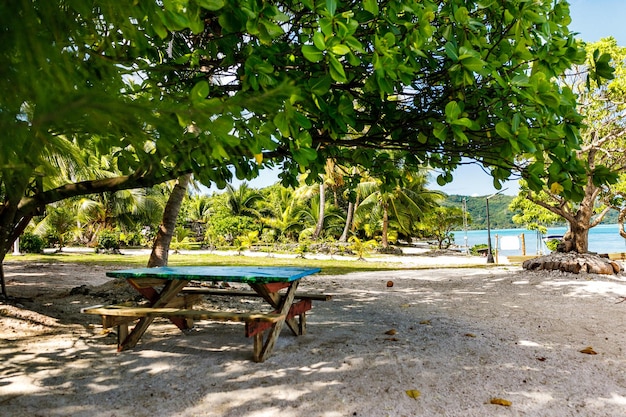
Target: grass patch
328, 266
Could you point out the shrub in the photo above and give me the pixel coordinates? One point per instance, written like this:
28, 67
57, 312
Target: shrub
480, 249
108, 240
31, 243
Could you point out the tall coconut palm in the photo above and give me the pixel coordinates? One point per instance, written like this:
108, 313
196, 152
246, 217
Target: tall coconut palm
405, 204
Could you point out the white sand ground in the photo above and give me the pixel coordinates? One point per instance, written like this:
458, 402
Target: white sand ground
458, 337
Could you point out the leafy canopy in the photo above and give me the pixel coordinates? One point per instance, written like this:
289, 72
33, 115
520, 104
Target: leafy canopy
199, 86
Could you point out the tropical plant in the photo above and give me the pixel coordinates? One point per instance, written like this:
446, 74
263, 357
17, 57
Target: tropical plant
32, 243
281, 212
246, 241
440, 224
401, 205
58, 225
308, 213
361, 247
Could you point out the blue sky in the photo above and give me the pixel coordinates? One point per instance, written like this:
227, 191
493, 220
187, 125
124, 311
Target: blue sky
592, 20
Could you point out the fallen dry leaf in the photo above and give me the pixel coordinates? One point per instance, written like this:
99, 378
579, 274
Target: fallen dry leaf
470, 335
425, 322
413, 393
391, 332
589, 351
501, 401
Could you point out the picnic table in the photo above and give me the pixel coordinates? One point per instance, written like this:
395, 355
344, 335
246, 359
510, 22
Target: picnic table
169, 295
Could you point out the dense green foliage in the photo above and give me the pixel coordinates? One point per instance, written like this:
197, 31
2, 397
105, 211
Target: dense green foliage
602, 151
32, 243
154, 90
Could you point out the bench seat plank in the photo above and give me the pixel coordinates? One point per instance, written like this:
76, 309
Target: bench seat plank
122, 311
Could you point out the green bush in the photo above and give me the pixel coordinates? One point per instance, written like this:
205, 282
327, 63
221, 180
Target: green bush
479, 249
552, 244
108, 240
31, 243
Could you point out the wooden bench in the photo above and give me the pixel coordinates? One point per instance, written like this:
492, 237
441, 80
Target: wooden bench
120, 316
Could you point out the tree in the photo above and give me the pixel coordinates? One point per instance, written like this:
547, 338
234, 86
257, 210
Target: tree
283, 83
440, 223
405, 204
602, 150
59, 224
282, 212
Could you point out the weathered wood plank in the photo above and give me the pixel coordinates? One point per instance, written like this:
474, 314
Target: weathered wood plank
243, 293
136, 312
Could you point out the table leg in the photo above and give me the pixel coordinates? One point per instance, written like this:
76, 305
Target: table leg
274, 332
169, 291
274, 299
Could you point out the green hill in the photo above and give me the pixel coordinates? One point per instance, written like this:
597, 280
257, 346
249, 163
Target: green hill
499, 215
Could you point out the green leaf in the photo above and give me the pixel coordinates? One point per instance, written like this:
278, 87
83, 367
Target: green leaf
212, 5
451, 52
504, 130
303, 121
311, 53
461, 15
453, 111
371, 6
281, 122
200, 91
331, 6
473, 64
464, 121
318, 41
336, 70
340, 49
320, 86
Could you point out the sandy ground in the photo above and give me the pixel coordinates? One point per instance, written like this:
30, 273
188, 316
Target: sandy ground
440, 342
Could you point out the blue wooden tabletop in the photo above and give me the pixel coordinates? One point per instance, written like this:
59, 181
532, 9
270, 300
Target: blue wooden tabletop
247, 274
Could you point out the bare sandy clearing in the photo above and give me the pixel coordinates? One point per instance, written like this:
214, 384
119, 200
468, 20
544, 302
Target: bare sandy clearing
460, 337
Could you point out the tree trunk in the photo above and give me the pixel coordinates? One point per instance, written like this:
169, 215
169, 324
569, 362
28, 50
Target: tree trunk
356, 205
576, 239
620, 221
161, 247
384, 241
320, 221
344, 235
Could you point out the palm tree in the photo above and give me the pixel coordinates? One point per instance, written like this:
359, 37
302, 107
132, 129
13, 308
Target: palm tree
332, 222
243, 200
405, 204
124, 209
281, 211
59, 223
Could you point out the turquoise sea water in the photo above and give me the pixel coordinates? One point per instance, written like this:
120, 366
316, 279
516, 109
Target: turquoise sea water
602, 239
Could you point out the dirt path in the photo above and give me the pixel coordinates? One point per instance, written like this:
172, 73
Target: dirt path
458, 337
